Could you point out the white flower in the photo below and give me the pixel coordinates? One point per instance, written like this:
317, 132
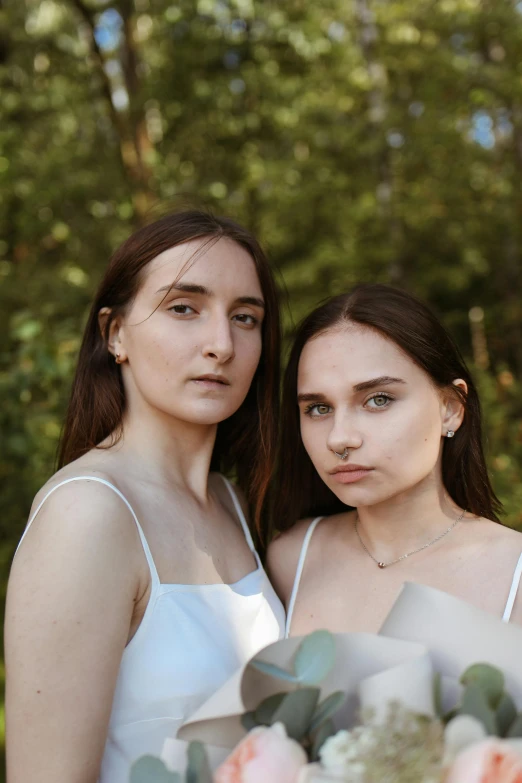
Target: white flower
339, 750
365, 739
340, 753
460, 732
315, 773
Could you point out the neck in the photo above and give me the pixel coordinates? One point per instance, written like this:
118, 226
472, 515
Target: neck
168, 451
407, 521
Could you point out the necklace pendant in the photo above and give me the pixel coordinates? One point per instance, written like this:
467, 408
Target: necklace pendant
381, 565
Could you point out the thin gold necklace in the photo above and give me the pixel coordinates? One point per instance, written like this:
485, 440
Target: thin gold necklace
408, 554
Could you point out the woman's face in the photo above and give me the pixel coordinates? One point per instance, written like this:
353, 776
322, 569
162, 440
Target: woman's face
192, 353
358, 391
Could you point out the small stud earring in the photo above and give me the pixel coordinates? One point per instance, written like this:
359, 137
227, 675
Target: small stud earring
118, 360
450, 434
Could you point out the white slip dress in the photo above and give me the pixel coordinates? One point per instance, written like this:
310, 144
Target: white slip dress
302, 557
191, 639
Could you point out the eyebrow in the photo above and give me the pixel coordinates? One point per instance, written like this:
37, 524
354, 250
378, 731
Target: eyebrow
193, 288
383, 380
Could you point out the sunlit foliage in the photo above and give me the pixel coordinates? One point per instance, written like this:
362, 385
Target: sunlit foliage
361, 140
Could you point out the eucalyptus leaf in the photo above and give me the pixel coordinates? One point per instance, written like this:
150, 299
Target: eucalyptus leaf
506, 714
315, 657
296, 711
198, 768
274, 671
248, 721
319, 737
474, 702
149, 769
515, 730
489, 679
265, 711
327, 708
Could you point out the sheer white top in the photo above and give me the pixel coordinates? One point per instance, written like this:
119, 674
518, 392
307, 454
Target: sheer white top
302, 557
191, 639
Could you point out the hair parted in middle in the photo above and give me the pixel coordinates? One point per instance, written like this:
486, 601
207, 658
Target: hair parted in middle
410, 324
246, 442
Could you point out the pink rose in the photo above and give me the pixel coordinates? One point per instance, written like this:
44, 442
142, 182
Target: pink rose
490, 761
265, 754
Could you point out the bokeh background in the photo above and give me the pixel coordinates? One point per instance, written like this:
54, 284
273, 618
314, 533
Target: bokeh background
360, 139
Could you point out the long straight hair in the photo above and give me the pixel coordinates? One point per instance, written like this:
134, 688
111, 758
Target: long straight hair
246, 441
412, 326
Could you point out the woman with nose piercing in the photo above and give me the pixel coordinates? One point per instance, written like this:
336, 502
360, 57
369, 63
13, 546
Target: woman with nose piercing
383, 478
137, 590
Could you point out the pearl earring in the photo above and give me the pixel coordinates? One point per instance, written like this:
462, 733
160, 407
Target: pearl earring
450, 434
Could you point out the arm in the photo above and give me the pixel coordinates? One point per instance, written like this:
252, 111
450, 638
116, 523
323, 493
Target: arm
69, 607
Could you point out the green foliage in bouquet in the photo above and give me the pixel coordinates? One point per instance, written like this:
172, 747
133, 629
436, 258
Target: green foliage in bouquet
305, 718
149, 769
484, 697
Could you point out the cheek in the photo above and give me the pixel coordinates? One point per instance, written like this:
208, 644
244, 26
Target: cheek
412, 441
161, 359
248, 354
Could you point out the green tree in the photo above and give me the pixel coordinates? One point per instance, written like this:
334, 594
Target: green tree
360, 139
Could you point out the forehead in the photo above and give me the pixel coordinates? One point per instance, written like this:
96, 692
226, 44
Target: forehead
206, 262
353, 354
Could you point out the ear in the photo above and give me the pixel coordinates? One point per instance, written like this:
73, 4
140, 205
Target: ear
114, 337
453, 409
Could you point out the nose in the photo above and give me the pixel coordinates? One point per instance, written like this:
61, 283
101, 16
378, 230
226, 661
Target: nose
344, 434
219, 344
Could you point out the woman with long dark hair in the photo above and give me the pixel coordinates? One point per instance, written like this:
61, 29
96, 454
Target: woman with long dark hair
137, 590
382, 463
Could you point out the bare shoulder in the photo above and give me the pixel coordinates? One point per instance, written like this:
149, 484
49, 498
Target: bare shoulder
283, 556
80, 512
506, 553
74, 474
493, 534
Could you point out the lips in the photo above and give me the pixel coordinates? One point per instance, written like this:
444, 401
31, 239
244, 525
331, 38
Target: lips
350, 468
212, 378
349, 474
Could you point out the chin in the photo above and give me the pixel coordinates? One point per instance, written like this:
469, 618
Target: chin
210, 415
360, 496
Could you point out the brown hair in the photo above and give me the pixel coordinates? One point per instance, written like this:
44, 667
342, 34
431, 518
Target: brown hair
413, 327
246, 441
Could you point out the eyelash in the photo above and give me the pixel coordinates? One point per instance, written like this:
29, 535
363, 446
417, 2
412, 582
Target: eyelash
253, 320
173, 308
309, 408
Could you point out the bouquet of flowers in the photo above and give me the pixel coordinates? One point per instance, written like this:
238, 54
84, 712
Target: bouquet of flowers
364, 708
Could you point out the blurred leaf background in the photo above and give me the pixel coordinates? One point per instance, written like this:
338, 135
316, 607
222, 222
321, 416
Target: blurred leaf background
360, 139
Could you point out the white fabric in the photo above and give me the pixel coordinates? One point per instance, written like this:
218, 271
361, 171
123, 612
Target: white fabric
191, 639
513, 591
304, 549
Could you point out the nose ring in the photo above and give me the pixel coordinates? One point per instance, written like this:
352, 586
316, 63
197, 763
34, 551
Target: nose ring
343, 455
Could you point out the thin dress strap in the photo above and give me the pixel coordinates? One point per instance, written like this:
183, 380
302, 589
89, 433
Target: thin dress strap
148, 555
298, 573
244, 524
513, 592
